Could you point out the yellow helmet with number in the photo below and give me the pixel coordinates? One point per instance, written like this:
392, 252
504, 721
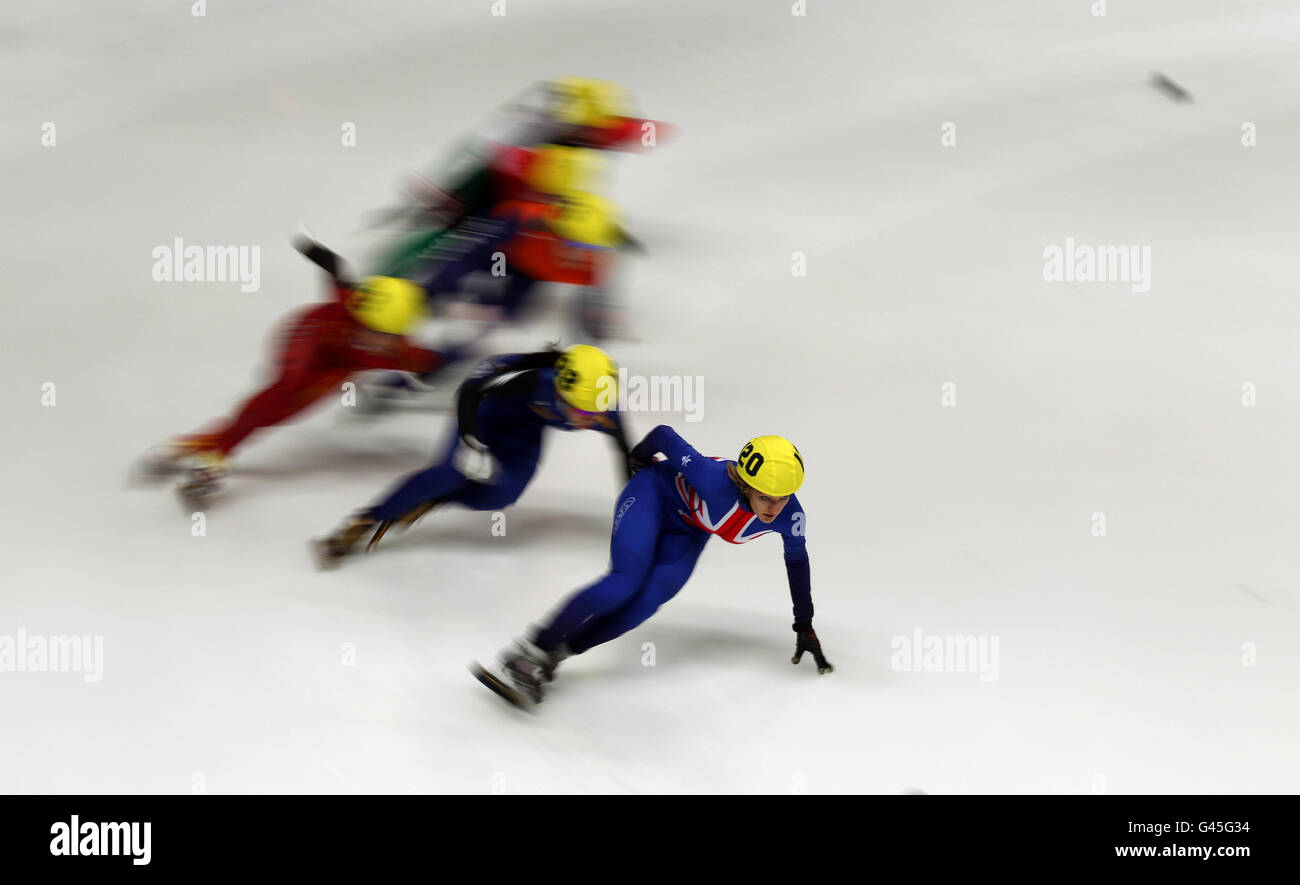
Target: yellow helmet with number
587, 219
560, 169
771, 465
580, 101
387, 304
587, 378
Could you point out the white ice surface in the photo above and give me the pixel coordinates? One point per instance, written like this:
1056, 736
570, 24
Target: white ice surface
1121, 657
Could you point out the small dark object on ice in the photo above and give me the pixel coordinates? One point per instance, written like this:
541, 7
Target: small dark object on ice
1169, 87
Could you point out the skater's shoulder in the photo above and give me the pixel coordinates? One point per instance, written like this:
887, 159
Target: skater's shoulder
497, 363
707, 474
503, 364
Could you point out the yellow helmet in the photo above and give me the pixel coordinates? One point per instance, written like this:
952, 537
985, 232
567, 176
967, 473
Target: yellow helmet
584, 102
771, 465
560, 169
587, 378
587, 219
387, 304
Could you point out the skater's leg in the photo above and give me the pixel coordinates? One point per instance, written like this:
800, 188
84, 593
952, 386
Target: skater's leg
282, 400
439, 480
440, 483
633, 542
517, 470
307, 370
407, 501
674, 561
631, 592
444, 481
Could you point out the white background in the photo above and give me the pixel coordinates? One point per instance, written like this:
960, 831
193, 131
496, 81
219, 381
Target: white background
1121, 657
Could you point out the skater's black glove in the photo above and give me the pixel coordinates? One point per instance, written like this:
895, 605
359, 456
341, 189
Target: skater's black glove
325, 258
806, 641
634, 464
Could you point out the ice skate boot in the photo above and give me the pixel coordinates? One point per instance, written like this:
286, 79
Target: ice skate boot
170, 458
405, 521
331, 549
203, 479
553, 661
517, 674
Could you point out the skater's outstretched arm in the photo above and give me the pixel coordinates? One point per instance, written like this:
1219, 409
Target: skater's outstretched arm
619, 435
796, 562
327, 260
699, 470
793, 534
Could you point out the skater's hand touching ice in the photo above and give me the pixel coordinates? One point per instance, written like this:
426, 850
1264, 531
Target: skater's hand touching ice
806, 641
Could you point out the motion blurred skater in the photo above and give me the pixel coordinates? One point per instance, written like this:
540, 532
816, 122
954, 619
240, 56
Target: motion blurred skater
501, 412
497, 163
665, 516
552, 233
362, 328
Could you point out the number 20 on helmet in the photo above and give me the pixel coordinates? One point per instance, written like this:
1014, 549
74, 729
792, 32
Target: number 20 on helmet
771, 465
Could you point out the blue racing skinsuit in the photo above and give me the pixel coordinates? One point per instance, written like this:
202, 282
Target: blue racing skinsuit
503, 408
664, 517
